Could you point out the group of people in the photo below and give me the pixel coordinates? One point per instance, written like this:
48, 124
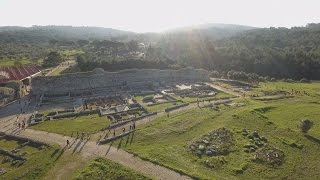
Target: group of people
131, 128
22, 125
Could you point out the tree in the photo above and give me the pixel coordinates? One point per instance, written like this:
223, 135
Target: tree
53, 59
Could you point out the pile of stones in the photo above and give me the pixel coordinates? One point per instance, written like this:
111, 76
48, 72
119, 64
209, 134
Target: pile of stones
2, 171
269, 155
215, 143
263, 152
256, 141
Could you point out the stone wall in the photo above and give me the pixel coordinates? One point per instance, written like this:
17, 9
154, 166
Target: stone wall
99, 80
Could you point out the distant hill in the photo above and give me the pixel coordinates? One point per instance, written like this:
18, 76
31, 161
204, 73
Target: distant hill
214, 30
42, 34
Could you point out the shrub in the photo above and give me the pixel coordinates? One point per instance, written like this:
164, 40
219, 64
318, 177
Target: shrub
305, 125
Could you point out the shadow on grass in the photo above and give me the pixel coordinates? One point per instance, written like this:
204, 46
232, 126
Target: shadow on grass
313, 139
55, 152
120, 143
62, 151
131, 140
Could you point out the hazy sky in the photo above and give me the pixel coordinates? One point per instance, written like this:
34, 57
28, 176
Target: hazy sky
158, 15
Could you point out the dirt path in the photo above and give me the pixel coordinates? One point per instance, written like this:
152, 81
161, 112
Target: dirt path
225, 90
107, 151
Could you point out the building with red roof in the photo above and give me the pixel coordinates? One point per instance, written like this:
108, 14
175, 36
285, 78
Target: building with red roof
18, 73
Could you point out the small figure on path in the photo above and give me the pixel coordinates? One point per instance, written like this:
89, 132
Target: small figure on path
19, 125
114, 133
123, 130
68, 143
134, 125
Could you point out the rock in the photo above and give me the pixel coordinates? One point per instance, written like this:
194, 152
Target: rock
209, 153
205, 141
192, 147
244, 133
262, 138
198, 153
250, 137
201, 147
252, 149
255, 134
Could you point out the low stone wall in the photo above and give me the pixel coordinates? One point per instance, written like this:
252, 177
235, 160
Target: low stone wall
121, 123
32, 142
176, 107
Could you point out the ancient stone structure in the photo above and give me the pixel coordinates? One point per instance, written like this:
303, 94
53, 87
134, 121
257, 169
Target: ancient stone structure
99, 81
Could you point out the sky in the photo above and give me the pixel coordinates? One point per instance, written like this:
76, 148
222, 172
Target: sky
158, 15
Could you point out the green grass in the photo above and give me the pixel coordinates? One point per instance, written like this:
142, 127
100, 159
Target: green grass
67, 126
311, 88
105, 169
57, 71
10, 62
8, 144
39, 161
72, 52
165, 140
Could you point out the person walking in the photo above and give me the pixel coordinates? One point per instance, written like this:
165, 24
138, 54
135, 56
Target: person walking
68, 143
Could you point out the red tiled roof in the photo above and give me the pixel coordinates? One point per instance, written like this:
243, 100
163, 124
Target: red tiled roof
19, 72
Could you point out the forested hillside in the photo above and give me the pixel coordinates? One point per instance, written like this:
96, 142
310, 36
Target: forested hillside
278, 52
274, 52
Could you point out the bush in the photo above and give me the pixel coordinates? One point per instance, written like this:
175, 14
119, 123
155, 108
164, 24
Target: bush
305, 125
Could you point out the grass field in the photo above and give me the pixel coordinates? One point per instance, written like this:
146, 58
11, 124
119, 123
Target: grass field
105, 169
165, 140
67, 126
311, 88
10, 62
38, 163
